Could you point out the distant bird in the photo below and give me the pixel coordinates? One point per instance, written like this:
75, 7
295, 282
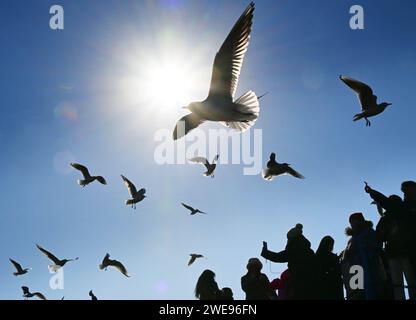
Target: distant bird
27, 294
19, 270
368, 101
193, 210
86, 174
210, 166
194, 256
92, 295
57, 262
220, 106
275, 169
137, 196
107, 262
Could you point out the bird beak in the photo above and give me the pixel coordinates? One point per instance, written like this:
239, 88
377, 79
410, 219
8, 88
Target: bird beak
389, 104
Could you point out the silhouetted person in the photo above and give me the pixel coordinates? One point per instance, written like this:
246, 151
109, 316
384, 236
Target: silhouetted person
329, 271
226, 294
395, 232
363, 250
282, 286
206, 287
409, 191
301, 263
255, 284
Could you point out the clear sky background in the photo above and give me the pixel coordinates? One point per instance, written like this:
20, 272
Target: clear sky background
85, 94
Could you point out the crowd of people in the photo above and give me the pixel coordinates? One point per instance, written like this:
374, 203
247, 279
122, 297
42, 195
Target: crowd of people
372, 266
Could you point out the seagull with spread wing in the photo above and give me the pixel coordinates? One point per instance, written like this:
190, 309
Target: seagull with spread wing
27, 294
193, 210
368, 101
220, 106
194, 256
136, 196
58, 263
275, 169
86, 174
107, 262
19, 270
209, 166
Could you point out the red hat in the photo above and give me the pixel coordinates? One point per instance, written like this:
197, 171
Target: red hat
358, 216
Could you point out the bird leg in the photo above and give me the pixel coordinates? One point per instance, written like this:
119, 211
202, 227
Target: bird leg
368, 123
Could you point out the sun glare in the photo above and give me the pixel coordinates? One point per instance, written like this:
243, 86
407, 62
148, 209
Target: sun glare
168, 85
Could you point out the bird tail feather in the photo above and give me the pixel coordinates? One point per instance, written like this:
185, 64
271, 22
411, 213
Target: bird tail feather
248, 104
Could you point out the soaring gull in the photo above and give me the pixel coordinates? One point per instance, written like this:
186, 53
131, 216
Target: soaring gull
87, 176
368, 101
220, 106
275, 169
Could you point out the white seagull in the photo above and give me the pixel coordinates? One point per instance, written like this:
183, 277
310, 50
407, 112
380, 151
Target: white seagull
275, 169
86, 174
136, 196
209, 166
107, 262
27, 294
19, 270
194, 256
368, 101
58, 263
193, 210
220, 106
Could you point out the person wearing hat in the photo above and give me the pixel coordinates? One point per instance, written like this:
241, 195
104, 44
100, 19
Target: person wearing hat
363, 250
301, 263
255, 284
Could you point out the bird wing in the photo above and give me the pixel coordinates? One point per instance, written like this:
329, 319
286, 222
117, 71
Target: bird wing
101, 180
120, 267
216, 158
48, 255
187, 207
294, 173
364, 92
185, 125
192, 260
16, 265
25, 290
83, 169
201, 160
229, 59
130, 186
39, 295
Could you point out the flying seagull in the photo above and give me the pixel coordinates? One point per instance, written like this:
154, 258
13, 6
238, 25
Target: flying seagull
92, 295
210, 166
275, 169
136, 196
57, 262
368, 101
27, 294
220, 106
86, 174
107, 262
19, 270
193, 210
194, 257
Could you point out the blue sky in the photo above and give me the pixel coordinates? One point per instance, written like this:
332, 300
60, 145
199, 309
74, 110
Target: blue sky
78, 95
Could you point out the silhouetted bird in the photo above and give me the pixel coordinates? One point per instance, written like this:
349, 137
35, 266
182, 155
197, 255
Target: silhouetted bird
27, 294
210, 166
368, 100
19, 270
107, 262
87, 177
220, 106
194, 257
193, 210
275, 169
92, 295
137, 196
57, 262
